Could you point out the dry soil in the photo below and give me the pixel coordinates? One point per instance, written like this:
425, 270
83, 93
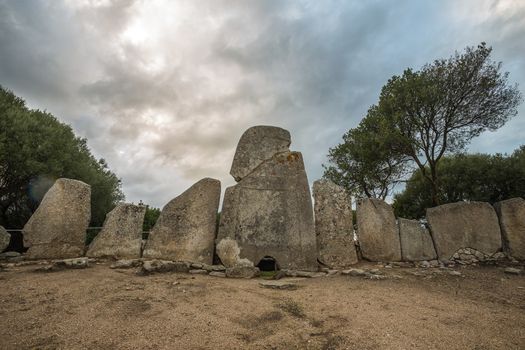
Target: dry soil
101, 308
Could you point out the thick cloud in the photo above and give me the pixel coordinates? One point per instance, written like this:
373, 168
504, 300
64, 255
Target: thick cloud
163, 90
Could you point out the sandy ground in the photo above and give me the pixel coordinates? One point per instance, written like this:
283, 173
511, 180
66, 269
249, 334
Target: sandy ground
101, 308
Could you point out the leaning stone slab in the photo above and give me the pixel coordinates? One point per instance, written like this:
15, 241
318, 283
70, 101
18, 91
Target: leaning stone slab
333, 225
269, 214
416, 242
257, 145
377, 231
464, 225
121, 235
57, 229
4, 239
185, 229
511, 215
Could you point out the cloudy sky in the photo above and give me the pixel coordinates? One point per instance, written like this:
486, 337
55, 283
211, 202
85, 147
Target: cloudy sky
164, 89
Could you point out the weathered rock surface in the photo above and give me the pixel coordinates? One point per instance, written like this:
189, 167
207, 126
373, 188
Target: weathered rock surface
126, 264
217, 274
464, 225
257, 145
185, 229
333, 225
269, 213
377, 231
279, 285
512, 271
466, 256
511, 215
416, 242
7, 255
121, 236
151, 266
4, 239
242, 272
57, 229
58, 265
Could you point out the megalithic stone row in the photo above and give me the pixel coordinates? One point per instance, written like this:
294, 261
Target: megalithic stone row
57, 229
455, 226
185, 229
511, 215
416, 242
269, 212
377, 230
333, 225
121, 235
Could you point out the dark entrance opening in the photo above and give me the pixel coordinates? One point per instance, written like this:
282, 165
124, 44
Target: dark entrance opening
268, 264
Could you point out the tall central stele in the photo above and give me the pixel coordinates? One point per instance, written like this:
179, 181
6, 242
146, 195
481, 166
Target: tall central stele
268, 213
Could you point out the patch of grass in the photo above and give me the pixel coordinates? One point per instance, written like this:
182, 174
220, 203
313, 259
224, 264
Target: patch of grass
291, 307
268, 274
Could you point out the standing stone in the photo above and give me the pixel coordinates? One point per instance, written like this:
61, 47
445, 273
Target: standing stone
257, 145
416, 242
4, 239
185, 229
333, 225
269, 212
377, 231
464, 225
121, 236
511, 215
57, 229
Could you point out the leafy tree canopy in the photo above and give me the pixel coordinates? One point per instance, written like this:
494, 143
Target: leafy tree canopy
365, 163
152, 214
35, 150
466, 177
423, 116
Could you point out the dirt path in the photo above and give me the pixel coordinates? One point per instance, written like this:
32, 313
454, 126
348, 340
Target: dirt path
100, 308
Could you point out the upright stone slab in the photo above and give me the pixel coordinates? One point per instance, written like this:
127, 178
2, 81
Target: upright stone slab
121, 235
185, 229
464, 225
269, 212
333, 225
4, 239
377, 231
57, 229
416, 242
257, 145
511, 215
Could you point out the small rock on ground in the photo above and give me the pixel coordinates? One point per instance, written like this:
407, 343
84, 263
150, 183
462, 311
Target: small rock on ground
278, 285
125, 264
512, 271
217, 274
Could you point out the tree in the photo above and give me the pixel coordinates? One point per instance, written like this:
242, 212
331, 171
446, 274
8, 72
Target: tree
465, 177
365, 163
150, 218
437, 111
36, 149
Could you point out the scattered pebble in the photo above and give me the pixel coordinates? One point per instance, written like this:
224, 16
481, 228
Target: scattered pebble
512, 271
